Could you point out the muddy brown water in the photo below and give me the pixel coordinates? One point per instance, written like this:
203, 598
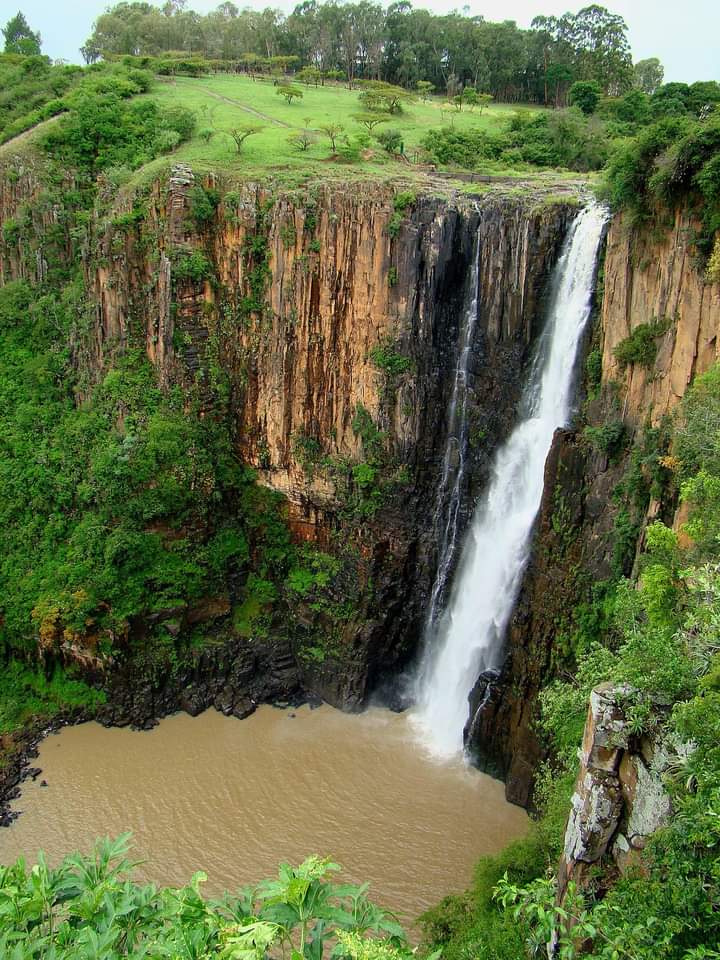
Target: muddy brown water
236, 797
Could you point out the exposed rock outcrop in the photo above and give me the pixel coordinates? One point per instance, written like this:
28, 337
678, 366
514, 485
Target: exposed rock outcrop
619, 799
653, 274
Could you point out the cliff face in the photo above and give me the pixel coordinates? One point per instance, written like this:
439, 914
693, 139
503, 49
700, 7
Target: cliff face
27, 207
653, 275
328, 321
648, 275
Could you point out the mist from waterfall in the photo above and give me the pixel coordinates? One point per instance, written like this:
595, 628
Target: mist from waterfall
468, 637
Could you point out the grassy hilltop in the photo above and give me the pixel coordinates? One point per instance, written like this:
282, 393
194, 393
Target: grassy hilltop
223, 102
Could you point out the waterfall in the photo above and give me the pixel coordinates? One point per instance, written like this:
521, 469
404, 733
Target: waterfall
449, 495
470, 633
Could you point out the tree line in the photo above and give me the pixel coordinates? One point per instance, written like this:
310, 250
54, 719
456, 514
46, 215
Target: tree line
401, 45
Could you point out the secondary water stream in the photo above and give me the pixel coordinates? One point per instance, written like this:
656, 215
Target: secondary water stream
234, 798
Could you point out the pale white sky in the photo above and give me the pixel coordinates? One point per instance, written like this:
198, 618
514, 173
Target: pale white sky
685, 36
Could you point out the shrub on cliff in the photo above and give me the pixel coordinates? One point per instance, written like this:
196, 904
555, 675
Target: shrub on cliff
672, 161
641, 346
564, 138
103, 129
109, 509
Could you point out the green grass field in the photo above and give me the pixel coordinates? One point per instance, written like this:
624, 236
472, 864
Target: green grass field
222, 102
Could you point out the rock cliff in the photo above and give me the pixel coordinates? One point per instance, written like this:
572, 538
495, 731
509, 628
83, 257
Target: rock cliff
333, 318
325, 319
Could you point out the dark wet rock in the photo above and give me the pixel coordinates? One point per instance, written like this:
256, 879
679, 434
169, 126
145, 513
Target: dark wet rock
243, 708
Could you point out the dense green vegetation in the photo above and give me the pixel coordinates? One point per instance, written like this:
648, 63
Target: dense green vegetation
33, 90
668, 160
90, 908
102, 503
27, 694
123, 505
402, 46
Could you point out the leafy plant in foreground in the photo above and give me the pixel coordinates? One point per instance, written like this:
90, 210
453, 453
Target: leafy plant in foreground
89, 908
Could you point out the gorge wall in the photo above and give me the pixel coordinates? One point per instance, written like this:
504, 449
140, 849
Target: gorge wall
323, 322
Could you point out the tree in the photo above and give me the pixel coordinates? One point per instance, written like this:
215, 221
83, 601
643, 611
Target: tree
90, 52
484, 100
332, 131
558, 77
370, 120
424, 89
302, 139
391, 140
378, 96
634, 107
586, 95
19, 38
648, 75
591, 44
470, 97
240, 134
309, 75
289, 91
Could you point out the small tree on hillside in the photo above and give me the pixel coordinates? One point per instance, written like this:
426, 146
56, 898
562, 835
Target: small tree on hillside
253, 63
302, 139
240, 134
378, 95
424, 89
484, 100
470, 97
289, 91
309, 75
332, 131
19, 38
370, 120
280, 65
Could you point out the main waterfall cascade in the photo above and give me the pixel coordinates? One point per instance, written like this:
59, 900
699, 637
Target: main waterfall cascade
468, 636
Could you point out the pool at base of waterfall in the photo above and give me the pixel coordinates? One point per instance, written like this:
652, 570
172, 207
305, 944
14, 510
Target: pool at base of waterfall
236, 797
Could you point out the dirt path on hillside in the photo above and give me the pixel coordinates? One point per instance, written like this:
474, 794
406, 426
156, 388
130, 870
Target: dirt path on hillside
27, 134
243, 106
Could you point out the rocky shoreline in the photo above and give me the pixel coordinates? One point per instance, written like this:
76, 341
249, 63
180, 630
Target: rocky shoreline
234, 678
17, 751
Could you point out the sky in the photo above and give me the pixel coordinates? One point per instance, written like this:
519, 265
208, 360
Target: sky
685, 36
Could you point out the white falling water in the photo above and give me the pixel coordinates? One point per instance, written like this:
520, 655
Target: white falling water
470, 634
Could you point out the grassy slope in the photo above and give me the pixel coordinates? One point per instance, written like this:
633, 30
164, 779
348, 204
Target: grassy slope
270, 151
